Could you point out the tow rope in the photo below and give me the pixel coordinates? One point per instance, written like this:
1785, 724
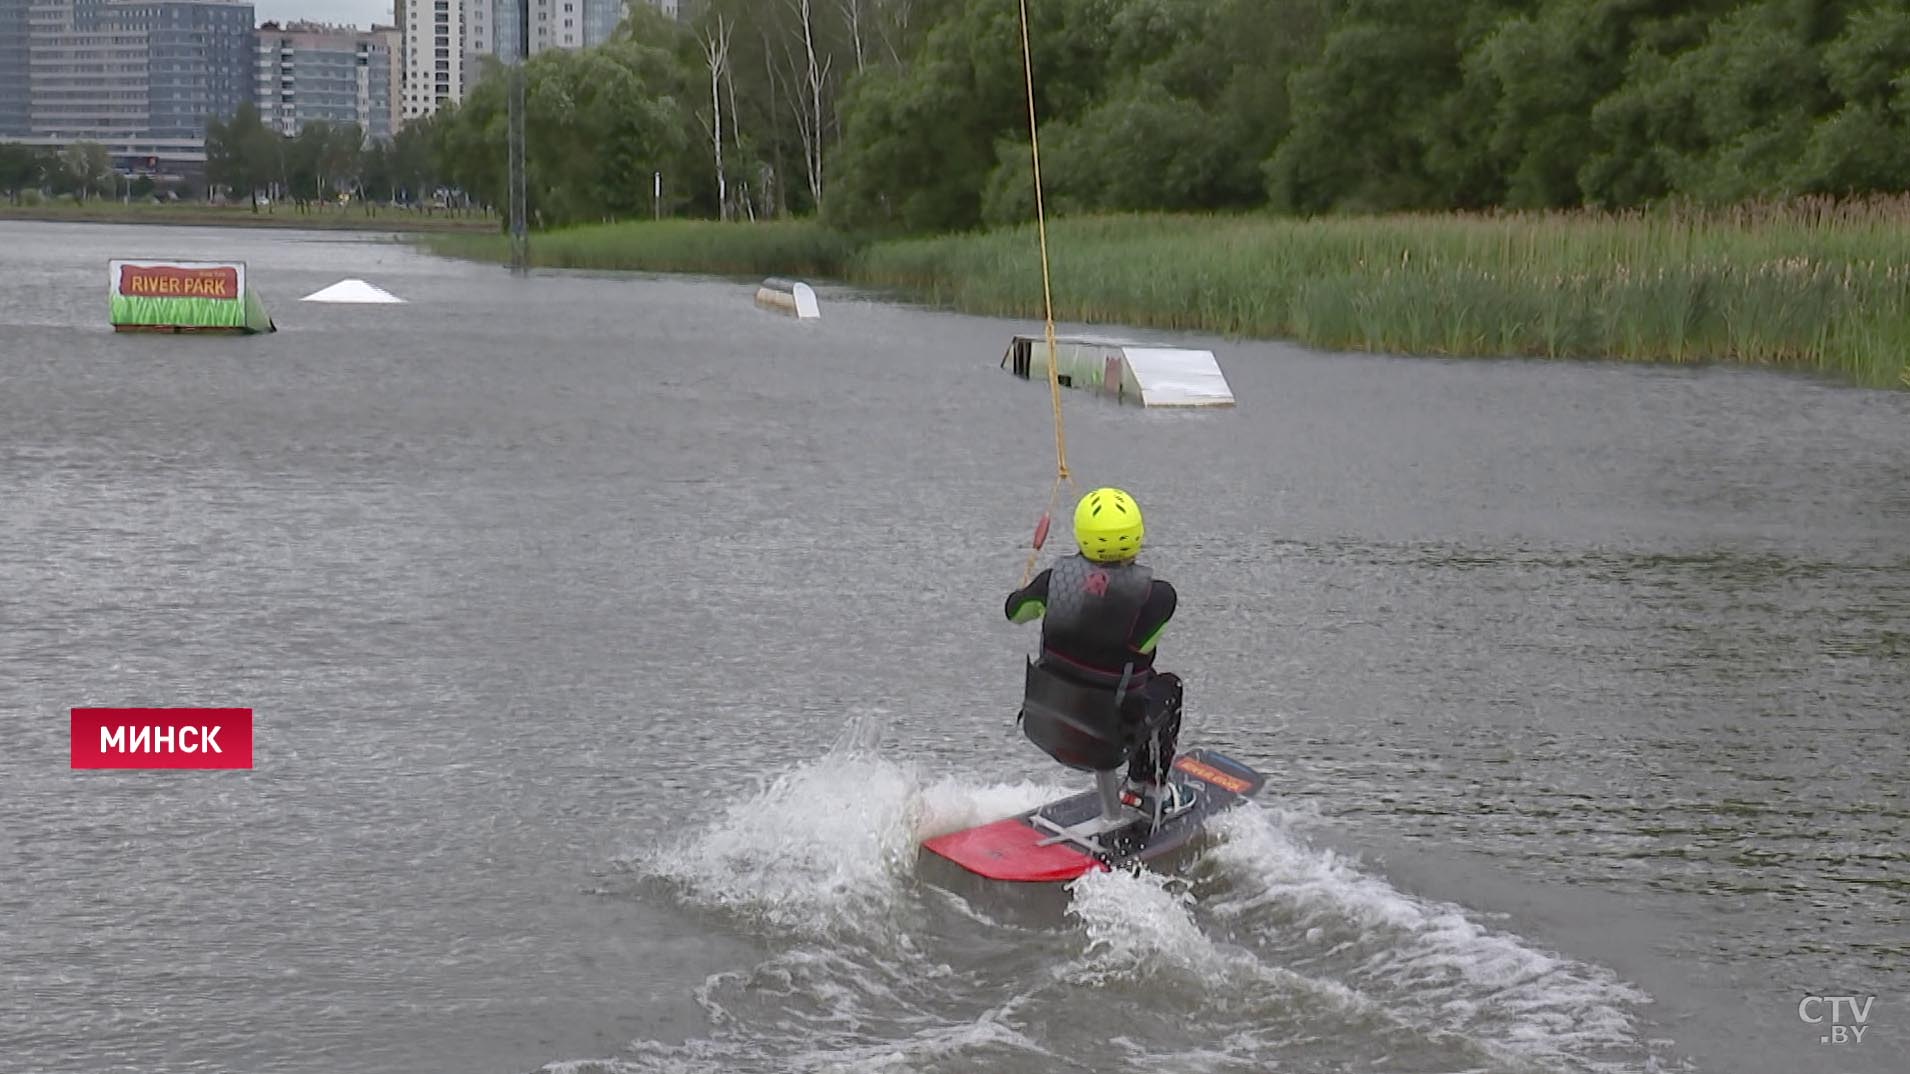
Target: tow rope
1047, 301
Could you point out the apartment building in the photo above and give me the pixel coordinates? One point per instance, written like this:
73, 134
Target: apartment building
16, 91
339, 74
435, 49
394, 40
445, 41
558, 23
144, 77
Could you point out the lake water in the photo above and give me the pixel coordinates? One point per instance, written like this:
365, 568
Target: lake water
613, 644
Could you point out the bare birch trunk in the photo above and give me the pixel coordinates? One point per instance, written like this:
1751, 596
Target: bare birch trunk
769, 70
809, 112
736, 133
891, 21
716, 50
852, 13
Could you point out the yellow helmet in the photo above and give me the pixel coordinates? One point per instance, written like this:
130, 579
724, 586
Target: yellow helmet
1107, 525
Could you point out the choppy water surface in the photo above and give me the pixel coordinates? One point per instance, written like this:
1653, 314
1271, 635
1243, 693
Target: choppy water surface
613, 644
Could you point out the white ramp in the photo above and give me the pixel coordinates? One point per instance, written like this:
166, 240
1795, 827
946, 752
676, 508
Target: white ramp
1176, 377
788, 296
1133, 373
353, 291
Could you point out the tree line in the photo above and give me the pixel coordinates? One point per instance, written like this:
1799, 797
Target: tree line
321, 162
912, 115
247, 159
82, 170
733, 110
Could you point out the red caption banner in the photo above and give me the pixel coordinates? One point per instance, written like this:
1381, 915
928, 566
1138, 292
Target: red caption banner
168, 281
162, 738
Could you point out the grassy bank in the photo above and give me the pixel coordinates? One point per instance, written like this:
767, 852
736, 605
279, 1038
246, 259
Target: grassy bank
200, 214
1811, 286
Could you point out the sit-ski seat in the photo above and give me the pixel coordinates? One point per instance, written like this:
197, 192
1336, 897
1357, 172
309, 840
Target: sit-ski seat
1081, 726
1085, 728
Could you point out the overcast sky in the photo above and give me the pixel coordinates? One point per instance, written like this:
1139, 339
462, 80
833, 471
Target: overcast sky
359, 13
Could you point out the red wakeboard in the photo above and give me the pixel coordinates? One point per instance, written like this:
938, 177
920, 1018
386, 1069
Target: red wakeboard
1033, 847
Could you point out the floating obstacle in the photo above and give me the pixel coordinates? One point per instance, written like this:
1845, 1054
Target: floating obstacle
1139, 373
185, 296
788, 296
353, 291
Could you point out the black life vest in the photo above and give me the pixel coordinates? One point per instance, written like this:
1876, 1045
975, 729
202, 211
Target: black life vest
1090, 616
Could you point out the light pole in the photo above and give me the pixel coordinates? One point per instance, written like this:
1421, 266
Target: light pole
520, 239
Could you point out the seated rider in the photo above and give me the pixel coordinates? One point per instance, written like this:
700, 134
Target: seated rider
1101, 614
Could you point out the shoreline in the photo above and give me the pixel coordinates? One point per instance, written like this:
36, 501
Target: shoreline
1813, 288
388, 221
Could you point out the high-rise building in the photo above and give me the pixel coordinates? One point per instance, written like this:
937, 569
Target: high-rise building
144, 77
558, 23
338, 74
444, 41
480, 35
601, 18
16, 90
200, 62
394, 40
434, 54
87, 76
504, 16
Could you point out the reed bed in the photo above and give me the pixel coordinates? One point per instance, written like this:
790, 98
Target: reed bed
1815, 286
795, 247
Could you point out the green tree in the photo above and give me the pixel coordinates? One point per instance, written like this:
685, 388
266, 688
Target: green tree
920, 143
1141, 149
414, 154
912, 116
1865, 144
1758, 87
1371, 117
21, 168
600, 123
1718, 104
1199, 103
304, 167
87, 169
242, 154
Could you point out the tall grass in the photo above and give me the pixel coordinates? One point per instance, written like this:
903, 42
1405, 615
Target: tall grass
792, 247
1810, 285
